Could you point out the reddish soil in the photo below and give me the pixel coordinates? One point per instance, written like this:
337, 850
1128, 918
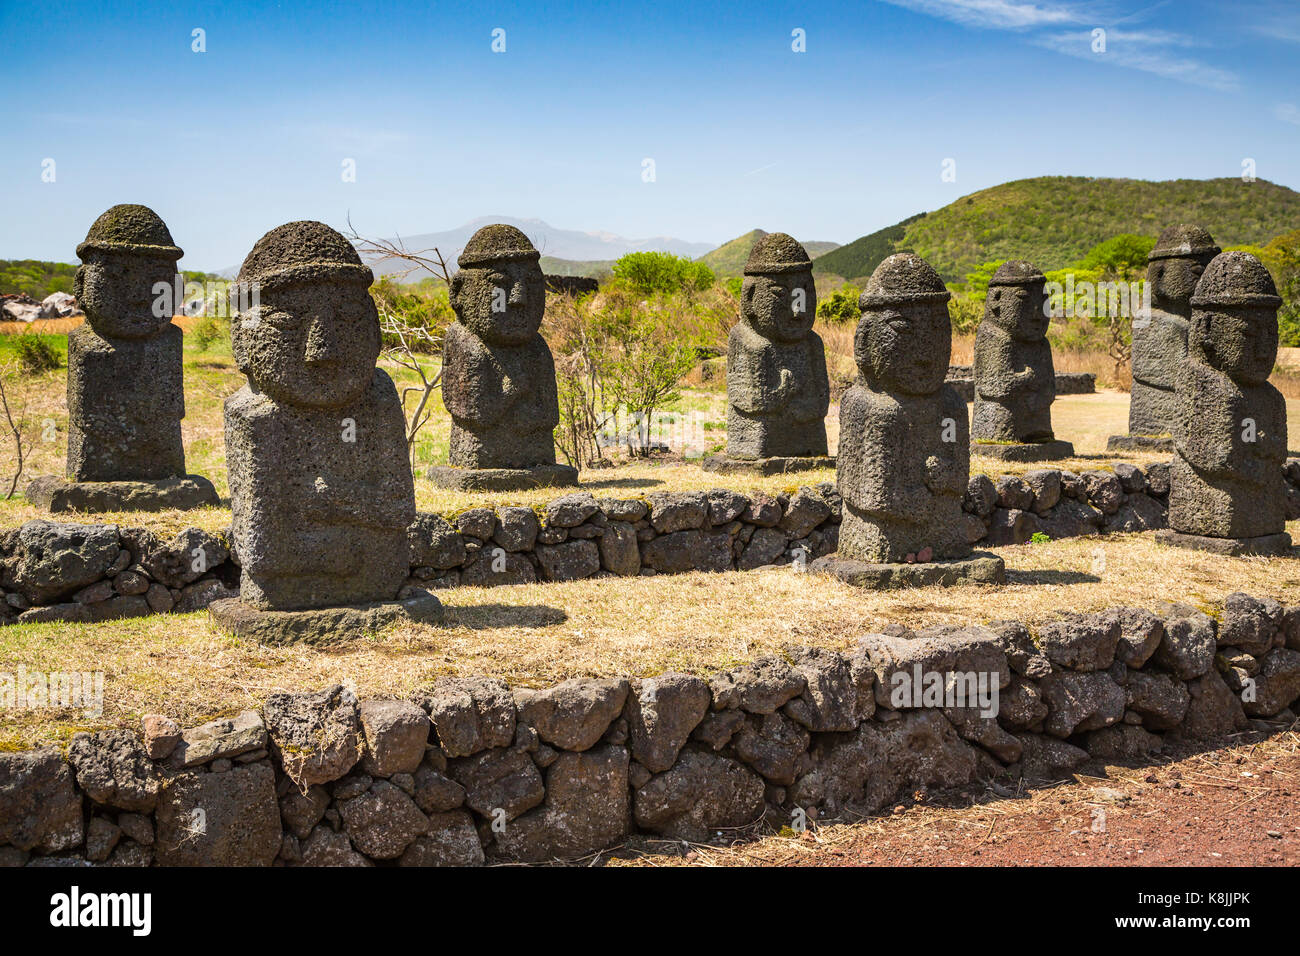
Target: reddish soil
1238, 806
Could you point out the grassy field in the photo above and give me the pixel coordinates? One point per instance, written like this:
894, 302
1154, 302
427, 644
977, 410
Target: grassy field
210, 376
537, 634
534, 635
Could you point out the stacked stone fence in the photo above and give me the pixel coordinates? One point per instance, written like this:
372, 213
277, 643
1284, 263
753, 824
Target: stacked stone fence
84, 573
470, 770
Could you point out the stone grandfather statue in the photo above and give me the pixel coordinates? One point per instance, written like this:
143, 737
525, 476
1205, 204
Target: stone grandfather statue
777, 389
904, 454
1015, 381
126, 393
320, 486
498, 380
1227, 493
1176, 263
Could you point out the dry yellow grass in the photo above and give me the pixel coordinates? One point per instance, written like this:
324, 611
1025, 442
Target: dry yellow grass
542, 633
1086, 420
538, 634
42, 326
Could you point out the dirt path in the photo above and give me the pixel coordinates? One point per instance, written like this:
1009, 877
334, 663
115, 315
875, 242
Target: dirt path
1238, 806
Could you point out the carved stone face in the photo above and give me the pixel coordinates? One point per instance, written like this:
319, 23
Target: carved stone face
1019, 309
116, 291
1174, 280
780, 307
1240, 341
904, 348
502, 303
314, 346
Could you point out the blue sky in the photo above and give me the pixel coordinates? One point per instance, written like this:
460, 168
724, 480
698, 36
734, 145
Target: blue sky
831, 143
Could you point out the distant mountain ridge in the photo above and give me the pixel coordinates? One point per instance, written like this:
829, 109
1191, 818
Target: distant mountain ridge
553, 243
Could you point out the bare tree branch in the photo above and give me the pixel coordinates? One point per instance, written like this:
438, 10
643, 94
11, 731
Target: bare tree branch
406, 341
16, 430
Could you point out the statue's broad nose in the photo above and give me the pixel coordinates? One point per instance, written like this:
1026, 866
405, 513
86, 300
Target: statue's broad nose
323, 343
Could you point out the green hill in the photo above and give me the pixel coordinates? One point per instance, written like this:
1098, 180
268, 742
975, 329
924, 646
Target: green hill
861, 256
729, 258
35, 277
1054, 220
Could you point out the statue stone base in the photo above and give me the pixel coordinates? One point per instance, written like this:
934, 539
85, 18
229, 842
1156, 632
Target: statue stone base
1157, 443
981, 567
1267, 545
54, 494
723, 465
323, 625
1031, 451
503, 479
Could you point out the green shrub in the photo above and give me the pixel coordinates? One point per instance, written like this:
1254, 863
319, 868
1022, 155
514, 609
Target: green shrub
841, 306
36, 354
416, 314
207, 332
650, 272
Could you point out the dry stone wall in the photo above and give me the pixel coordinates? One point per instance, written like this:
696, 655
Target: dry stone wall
469, 770
53, 571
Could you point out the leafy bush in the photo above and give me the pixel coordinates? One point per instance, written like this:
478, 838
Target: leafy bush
1282, 257
966, 311
663, 272
208, 331
620, 357
417, 314
1123, 256
841, 306
36, 354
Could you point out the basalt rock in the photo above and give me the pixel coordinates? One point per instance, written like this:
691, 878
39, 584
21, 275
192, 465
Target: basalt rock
499, 376
1230, 428
777, 388
321, 490
904, 456
1015, 383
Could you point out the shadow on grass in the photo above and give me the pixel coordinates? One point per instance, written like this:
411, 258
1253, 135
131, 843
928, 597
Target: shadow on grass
1050, 577
620, 483
481, 617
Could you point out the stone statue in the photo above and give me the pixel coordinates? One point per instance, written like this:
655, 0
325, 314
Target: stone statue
1160, 338
904, 454
1015, 383
126, 394
1226, 486
777, 390
498, 379
320, 486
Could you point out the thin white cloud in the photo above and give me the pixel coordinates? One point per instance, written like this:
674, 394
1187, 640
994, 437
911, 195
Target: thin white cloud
1287, 113
995, 14
1141, 51
1153, 37
1149, 50
1277, 23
